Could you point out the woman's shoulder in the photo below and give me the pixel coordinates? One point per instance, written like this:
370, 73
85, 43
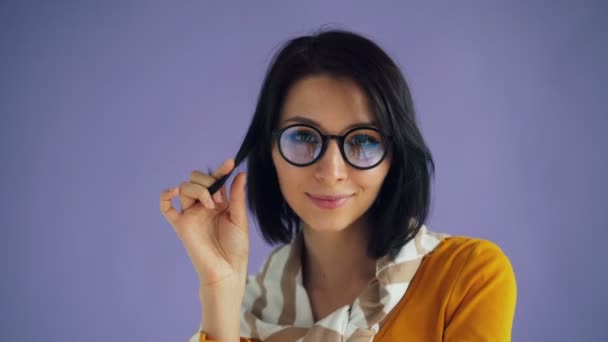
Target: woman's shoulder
469, 283
482, 292
468, 250
466, 261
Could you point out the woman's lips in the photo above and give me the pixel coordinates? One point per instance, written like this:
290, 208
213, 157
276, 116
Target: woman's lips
329, 202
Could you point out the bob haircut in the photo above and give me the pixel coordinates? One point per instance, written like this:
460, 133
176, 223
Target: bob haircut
402, 204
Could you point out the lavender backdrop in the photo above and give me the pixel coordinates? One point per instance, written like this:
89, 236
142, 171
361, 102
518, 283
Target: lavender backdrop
105, 104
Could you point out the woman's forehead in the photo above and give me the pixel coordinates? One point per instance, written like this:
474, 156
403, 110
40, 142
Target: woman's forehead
328, 102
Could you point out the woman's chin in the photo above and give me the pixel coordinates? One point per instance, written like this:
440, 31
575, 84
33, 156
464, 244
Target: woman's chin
326, 226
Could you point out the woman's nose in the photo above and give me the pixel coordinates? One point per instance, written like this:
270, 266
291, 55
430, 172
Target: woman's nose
331, 167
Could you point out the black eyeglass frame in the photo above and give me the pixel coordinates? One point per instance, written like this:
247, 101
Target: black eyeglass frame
325, 140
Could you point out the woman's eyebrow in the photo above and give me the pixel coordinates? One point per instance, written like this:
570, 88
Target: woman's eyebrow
301, 119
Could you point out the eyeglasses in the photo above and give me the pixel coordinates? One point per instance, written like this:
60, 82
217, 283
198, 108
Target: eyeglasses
301, 145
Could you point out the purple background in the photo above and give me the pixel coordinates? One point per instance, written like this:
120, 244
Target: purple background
103, 105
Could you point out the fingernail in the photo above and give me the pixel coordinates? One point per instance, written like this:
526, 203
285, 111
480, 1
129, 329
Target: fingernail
210, 203
218, 197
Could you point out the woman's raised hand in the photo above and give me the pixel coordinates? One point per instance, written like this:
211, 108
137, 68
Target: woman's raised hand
213, 229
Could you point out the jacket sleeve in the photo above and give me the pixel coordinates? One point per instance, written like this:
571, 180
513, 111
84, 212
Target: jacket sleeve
481, 305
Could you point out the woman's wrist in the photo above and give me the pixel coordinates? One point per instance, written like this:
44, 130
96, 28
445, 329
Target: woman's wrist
221, 309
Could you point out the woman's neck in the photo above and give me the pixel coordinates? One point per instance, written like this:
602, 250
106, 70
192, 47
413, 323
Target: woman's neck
333, 260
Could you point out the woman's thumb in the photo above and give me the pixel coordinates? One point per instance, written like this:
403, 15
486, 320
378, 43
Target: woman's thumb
237, 207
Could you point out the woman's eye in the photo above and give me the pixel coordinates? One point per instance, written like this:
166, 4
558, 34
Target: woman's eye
363, 139
304, 137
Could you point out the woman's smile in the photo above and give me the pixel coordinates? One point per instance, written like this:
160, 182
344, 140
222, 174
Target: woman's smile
329, 201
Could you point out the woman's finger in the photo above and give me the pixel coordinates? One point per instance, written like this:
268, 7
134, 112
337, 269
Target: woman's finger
166, 207
201, 178
222, 192
185, 201
207, 180
192, 192
237, 208
224, 169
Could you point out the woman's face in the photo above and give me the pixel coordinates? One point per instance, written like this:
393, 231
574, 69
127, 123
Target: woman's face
333, 106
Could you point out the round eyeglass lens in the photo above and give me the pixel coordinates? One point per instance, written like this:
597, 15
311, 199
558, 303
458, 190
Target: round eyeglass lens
300, 144
364, 147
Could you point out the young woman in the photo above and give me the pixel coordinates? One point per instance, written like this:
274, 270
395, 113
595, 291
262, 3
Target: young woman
339, 175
